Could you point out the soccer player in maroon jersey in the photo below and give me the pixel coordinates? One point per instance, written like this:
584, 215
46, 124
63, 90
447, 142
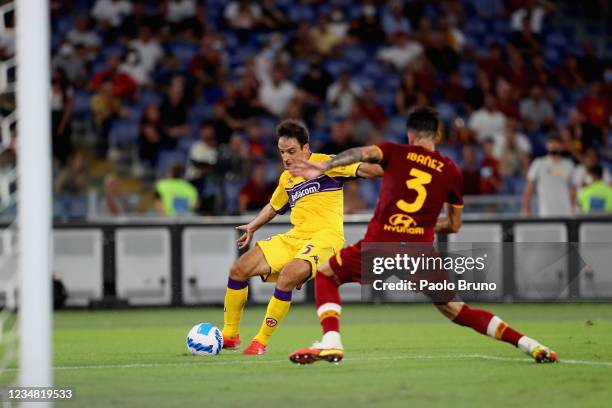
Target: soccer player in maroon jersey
417, 183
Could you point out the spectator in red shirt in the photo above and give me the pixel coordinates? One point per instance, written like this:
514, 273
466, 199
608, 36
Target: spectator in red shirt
506, 100
371, 110
123, 84
490, 179
568, 75
256, 193
595, 106
454, 90
493, 64
471, 172
207, 64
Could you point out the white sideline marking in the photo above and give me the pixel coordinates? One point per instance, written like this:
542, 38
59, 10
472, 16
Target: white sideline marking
363, 359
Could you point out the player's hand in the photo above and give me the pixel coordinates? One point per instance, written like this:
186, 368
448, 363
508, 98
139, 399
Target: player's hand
307, 169
245, 238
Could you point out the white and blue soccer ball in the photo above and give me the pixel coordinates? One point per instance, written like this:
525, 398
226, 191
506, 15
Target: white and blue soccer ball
204, 339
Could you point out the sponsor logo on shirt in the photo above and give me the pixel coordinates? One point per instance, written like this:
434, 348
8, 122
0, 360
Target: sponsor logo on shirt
403, 224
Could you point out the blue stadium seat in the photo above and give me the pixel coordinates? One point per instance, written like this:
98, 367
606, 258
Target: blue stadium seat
183, 51
375, 70
397, 125
387, 99
150, 96
335, 67
475, 26
81, 104
134, 112
169, 157
123, 132
112, 50
447, 111
356, 55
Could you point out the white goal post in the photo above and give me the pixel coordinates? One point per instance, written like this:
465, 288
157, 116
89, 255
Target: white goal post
34, 192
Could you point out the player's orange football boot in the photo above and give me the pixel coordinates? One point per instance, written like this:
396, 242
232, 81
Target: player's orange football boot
310, 354
255, 349
231, 343
543, 354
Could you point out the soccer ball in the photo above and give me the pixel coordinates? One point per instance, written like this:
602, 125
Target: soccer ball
204, 339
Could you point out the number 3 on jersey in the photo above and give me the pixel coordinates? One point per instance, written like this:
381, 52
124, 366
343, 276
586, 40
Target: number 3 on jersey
417, 183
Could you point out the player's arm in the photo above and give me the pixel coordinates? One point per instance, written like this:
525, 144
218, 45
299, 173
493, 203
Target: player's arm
451, 222
310, 170
369, 171
262, 218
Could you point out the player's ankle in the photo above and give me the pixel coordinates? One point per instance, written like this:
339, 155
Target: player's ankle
332, 339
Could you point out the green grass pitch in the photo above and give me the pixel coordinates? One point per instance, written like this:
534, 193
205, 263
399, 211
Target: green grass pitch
396, 355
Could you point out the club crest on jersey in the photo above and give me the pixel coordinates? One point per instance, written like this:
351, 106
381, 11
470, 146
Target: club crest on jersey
403, 224
270, 322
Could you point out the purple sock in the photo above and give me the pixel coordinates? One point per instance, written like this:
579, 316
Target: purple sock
236, 285
282, 295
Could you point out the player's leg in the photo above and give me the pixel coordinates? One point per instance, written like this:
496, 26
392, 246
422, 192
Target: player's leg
488, 324
293, 274
251, 263
341, 268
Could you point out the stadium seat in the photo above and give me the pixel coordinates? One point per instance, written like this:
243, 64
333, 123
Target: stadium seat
123, 132
169, 157
356, 55
182, 50
81, 104
150, 96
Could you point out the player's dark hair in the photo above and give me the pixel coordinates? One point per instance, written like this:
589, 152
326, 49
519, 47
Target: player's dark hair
424, 122
295, 129
597, 171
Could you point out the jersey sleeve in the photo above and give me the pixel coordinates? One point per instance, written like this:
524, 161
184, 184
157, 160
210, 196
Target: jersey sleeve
385, 149
455, 193
280, 199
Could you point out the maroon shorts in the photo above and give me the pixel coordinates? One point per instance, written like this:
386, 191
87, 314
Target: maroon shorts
346, 265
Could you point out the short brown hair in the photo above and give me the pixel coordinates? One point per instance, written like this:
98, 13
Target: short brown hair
295, 129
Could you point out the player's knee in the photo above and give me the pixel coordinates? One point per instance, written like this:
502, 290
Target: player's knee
239, 270
450, 309
325, 269
290, 277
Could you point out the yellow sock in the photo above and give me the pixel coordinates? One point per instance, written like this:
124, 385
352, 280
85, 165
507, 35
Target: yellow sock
277, 309
235, 299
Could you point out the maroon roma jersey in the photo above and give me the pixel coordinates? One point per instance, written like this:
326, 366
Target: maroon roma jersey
416, 184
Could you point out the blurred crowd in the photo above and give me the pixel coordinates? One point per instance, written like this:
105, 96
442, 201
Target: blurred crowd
191, 91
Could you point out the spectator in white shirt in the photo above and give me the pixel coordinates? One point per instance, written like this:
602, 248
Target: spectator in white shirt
552, 176
535, 14
179, 13
81, 35
402, 53
394, 21
276, 94
242, 16
343, 94
488, 120
536, 111
111, 12
148, 48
